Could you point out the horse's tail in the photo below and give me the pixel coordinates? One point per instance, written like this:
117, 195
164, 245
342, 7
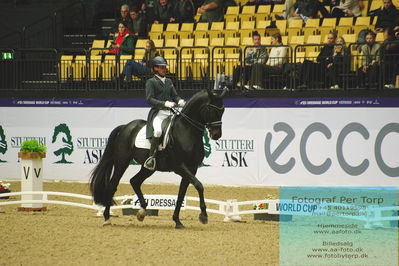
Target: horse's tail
101, 175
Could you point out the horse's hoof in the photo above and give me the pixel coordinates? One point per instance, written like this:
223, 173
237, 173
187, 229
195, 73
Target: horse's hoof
203, 218
141, 214
179, 226
107, 222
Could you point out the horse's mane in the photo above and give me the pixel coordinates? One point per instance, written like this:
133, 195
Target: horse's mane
202, 95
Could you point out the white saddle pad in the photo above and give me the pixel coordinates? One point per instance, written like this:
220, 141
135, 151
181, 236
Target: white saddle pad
143, 143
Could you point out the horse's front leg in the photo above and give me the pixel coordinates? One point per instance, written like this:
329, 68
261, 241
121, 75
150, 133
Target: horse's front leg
184, 172
182, 193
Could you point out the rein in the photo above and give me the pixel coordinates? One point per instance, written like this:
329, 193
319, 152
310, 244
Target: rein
198, 125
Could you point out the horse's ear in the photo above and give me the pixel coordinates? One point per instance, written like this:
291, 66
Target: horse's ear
225, 90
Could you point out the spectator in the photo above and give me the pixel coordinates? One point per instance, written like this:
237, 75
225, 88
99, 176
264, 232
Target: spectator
164, 11
140, 69
390, 57
340, 64
123, 43
123, 18
148, 9
387, 17
370, 62
184, 11
312, 71
304, 9
258, 2
255, 55
273, 66
211, 11
138, 25
347, 8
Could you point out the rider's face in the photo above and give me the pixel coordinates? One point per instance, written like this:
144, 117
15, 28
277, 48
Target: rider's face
161, 70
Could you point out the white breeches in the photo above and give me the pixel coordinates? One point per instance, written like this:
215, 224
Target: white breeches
157, 123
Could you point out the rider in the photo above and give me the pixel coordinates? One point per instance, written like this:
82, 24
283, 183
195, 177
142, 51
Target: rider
162, 96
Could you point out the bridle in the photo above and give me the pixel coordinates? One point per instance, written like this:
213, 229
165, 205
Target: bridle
198, 125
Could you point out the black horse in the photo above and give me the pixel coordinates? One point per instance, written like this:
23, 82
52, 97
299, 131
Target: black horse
183, 155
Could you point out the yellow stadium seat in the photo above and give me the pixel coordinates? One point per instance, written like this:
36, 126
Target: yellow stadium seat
98, 47
247, 13
217, 42
312, 56
172, 43
327, 26
278, 10
217, 26
282, 26
299, 57
172, 27
262, 24
79, 67
187, 27
186, 42
65, 68
313, 39
95, 67
232, 26
294, 41
202, 42
266, 40
248, 25
344, 26
158, 43
122, 61
361, 23
232, 13
311, 26
155, 35
294, 27
202, 26
109, 67
246, 41
156, 27
264, 9
350, 38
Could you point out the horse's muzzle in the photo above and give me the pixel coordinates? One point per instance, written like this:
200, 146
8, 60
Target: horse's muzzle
215, 132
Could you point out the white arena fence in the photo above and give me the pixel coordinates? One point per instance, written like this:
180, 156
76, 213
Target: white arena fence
230, 209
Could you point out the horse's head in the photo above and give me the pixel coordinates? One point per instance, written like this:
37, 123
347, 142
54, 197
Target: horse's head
212, 112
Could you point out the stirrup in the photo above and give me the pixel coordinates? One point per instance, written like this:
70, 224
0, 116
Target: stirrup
150, 163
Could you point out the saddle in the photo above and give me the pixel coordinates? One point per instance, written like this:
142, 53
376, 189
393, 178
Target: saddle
143, 143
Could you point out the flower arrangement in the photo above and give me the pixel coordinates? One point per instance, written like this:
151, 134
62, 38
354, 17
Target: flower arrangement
4, 188
32, 146
264, 205
127, 201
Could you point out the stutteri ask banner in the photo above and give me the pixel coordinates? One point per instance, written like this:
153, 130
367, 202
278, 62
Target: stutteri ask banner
265, 142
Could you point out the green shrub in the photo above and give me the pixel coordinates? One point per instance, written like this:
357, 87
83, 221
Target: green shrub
32, 146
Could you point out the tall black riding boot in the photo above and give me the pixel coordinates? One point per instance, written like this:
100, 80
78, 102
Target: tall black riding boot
151, 162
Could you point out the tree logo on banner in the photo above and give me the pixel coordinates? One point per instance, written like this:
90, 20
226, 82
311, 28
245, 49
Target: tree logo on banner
63, 139
207, 147
3, 143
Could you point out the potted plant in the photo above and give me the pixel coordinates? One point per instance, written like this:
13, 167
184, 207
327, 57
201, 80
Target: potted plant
4, 188
31, 149
132, 210
269, 216
31, 154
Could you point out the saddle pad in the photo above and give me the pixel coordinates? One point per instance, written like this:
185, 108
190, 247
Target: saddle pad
143, 143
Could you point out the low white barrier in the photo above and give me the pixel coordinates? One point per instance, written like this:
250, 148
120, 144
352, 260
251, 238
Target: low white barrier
230, 209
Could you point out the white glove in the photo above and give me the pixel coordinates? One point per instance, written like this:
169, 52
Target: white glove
181, 103
169, 104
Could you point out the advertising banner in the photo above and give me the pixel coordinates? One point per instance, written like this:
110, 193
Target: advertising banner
265, 142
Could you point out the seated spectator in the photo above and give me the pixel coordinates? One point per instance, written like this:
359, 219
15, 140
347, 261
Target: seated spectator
124, 17
255, 55
164, 12
274, 65
303, 9
140, 69
368, 72
388, 17
315, 71
123, 42
340, 64
138, 25
390, 57
347, 8
211, 11
184, 11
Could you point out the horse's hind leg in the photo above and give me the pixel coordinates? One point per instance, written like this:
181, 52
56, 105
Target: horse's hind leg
119, 169
136, 182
